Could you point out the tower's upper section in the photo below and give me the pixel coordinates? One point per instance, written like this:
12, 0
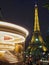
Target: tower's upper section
36, 21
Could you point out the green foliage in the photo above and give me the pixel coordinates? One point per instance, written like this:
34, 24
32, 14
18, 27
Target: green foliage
34, 49
47, 42
46, 5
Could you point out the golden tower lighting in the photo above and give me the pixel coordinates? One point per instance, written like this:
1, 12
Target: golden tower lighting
37, 39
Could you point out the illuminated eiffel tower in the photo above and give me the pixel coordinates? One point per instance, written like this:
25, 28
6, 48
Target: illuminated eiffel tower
37, 43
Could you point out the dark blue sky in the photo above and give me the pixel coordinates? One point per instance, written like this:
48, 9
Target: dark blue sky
21, 12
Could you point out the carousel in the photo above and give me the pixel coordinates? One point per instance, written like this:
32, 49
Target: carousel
12, 42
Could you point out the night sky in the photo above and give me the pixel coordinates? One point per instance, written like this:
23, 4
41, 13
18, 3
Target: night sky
21, 12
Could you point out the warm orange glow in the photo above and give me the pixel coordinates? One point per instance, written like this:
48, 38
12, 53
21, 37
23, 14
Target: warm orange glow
44, 48
14, 26
7, 38
12, 39
18, 48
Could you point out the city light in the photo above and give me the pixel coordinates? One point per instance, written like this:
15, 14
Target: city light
14, 26
36, 39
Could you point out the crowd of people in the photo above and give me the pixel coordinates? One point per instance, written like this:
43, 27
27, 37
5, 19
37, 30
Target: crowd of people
35, 61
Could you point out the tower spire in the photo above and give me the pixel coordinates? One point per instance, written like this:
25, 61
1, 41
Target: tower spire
36, 21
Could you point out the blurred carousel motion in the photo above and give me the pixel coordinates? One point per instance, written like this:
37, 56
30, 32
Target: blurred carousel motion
12, 42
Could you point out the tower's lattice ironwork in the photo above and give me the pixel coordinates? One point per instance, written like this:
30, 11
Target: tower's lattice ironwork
37, 44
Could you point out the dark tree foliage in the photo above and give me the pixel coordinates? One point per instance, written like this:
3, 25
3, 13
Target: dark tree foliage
46, 4
47, 41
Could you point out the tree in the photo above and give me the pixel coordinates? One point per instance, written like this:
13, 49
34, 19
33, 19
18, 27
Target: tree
46, 5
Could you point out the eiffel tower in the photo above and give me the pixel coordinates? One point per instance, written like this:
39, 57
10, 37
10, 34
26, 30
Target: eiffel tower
37, 44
